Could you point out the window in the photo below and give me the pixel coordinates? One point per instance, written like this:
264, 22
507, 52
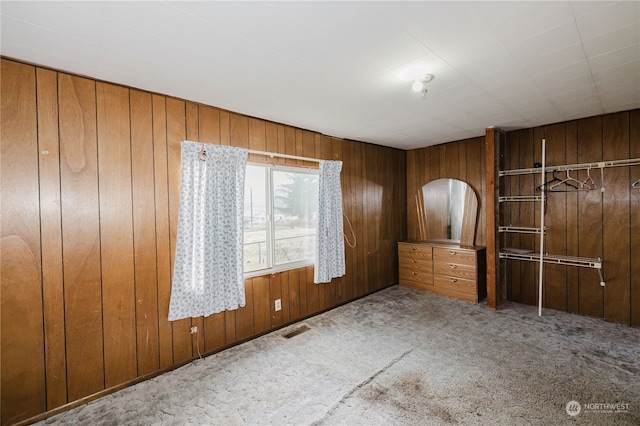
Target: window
280, 214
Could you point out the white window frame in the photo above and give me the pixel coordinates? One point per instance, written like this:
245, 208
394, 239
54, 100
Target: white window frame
270, 227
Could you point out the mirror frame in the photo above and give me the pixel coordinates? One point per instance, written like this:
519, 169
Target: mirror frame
469, 216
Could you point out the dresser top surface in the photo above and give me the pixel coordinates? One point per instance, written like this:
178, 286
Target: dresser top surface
442, 244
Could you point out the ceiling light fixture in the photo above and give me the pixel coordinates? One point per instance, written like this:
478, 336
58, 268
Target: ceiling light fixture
420, 84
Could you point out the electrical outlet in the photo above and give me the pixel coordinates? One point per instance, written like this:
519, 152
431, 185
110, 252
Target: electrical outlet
194, 329
278, 305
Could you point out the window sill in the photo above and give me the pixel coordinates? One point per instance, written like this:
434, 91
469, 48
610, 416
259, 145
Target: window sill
278, 269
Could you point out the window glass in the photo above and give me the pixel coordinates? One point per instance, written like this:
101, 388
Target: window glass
280, 214
255, 219
295, 213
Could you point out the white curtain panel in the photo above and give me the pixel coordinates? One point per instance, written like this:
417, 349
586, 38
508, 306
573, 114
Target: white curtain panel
208, 269
330, 261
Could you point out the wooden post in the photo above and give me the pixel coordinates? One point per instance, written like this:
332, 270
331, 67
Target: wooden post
492, 151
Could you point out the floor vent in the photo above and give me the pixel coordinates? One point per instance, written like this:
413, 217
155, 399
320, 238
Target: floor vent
297, 331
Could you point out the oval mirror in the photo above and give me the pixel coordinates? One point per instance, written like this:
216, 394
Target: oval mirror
447, 211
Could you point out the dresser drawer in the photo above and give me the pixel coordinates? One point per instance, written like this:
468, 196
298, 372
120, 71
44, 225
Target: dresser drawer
417, 264
450, 255
415, 251
414, 275
457, 284
453, 269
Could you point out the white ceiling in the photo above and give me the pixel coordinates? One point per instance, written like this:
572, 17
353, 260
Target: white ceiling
336, 67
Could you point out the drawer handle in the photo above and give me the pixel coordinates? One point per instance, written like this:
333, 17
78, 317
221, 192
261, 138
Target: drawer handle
413, 261
453, 280
453, 266
414, 248
452, 253
414, 273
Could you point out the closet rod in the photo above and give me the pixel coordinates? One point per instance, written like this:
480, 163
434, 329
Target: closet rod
292, 157
582, 166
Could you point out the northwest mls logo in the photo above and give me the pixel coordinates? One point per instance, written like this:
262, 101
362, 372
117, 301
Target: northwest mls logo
573, 408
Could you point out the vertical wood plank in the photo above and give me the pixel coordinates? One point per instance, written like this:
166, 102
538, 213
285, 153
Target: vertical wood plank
412, 216
176, 133
492, 155
80, 236
144, 232
285, 294
555, 280
23, 358
349, 207
245, 327
51, 237
303, 286
163, 239
116, 233
590, 219
275, 293
192, 118
634, 208
214, 332
257, 135
294, 295
572, 217
225, 128
358, 221
271, 139
208, 124
616, 220
528, 283
452, 160
239, 130
261, 304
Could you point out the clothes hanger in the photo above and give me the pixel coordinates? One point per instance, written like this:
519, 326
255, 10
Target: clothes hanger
589, 182
571, 182
556, 181
636, 184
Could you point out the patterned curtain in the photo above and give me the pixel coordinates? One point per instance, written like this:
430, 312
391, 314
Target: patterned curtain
329, 233
208, 272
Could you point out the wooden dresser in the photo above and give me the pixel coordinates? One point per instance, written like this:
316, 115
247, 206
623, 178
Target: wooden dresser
444, 268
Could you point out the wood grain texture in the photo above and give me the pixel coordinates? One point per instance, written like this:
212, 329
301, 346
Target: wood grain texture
590, 219
572, 218
634, 209
51, 237
81, 236
144, 232
275, 293
23, 357
616, 220
192, 117
176, 133
555, 279
109, 229
163, 241
261, 304
116, 233
245, 326
492, 154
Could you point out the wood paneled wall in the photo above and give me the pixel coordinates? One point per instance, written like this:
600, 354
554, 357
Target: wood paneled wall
462, 160
586, 223
90, 190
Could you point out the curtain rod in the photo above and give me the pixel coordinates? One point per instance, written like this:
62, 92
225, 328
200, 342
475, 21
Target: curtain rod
269, 154
292, 157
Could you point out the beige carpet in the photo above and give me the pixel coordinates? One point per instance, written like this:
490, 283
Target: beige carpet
400, 357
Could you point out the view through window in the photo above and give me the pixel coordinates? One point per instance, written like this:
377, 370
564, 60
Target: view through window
280, 214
